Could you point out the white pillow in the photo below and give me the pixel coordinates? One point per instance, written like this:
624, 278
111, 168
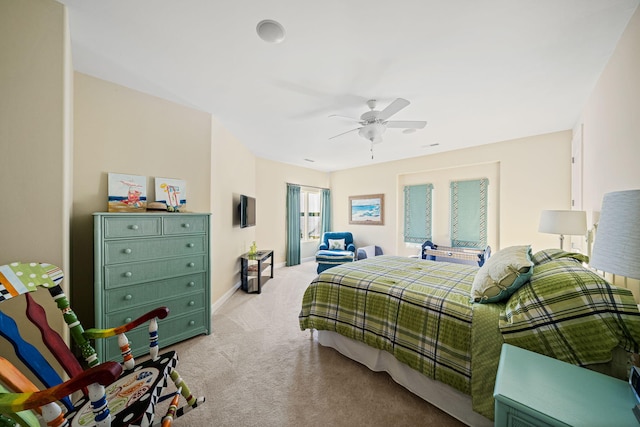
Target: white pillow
336, 244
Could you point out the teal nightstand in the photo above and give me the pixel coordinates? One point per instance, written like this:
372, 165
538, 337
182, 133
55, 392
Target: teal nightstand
536, 390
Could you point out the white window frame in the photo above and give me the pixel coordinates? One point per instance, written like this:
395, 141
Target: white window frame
304, 212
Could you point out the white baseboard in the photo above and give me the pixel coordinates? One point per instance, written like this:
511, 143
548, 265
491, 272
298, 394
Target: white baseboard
218, 304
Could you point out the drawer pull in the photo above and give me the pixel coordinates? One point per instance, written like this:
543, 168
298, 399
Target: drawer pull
186, 225
191, 264
191, 323
134, 227
192, 303
128, 297
190, 245
191, 284
127, 251
128, 319
128, 274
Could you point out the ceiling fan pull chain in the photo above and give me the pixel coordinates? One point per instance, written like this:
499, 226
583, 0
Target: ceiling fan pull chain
371, 150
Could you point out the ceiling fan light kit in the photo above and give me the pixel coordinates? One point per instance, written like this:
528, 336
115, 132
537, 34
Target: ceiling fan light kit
374, 123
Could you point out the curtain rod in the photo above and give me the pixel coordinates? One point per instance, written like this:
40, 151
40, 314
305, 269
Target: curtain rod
308, 186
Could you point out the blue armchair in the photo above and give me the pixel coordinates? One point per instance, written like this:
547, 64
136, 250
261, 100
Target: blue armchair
336, 248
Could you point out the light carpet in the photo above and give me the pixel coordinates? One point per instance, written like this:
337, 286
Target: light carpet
258, 368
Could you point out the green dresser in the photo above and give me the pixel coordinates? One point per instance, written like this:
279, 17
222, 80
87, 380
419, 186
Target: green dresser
148, 260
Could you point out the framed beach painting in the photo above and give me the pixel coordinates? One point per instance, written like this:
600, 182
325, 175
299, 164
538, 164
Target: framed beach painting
127, 193
367, 209
172, 192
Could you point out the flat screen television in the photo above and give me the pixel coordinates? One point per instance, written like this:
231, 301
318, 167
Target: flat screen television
247, 210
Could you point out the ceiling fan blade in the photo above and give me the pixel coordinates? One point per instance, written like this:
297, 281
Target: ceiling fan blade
393, 108
406, 124
345, 118
344, 133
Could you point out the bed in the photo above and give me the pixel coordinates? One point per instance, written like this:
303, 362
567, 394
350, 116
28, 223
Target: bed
425, 323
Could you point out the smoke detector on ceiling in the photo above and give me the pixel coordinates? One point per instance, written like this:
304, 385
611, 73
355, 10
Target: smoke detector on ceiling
270, 31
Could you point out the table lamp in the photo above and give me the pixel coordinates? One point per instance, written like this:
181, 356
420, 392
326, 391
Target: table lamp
563, 222
617, 245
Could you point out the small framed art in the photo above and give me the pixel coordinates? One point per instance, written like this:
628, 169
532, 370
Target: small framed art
127, 193
367, 209
172, 192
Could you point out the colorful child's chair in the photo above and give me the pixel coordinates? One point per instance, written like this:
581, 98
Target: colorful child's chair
336, 248
109, 395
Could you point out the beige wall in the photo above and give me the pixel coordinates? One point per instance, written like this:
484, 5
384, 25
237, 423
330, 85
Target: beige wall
35, 138
233, 170
271, 184
124, 131
526, 175
611, 128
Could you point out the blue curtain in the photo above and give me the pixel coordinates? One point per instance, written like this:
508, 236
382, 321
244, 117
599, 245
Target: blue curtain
418, 213
469, 213
293, 224
325, 214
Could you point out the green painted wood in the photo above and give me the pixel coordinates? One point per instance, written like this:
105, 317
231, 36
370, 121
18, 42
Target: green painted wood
131, 226
536, 390
177, 305
146, 260
130, 250
145, 271
153, 292
184, 224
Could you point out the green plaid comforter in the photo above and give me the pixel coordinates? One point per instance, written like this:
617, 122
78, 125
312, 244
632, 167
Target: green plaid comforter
419, 311
572, 314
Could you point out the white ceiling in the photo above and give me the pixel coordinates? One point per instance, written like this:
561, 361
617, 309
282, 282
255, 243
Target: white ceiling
477, 71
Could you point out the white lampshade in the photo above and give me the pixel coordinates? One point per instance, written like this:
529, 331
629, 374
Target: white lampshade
617, 246
563, 222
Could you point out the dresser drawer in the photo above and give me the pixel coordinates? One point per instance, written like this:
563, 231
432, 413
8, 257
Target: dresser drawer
177, 307
184, 224
119, 251
170, 330
132, 226
162, 290
139, 272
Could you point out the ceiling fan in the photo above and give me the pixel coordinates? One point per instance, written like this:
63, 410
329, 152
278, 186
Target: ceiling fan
373, 123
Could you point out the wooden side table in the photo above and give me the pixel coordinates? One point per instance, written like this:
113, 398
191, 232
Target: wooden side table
251, 268
536, 390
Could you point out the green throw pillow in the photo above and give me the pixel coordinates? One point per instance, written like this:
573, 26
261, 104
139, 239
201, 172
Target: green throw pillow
502, 274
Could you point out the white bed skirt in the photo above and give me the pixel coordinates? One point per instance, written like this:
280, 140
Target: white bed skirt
446, 398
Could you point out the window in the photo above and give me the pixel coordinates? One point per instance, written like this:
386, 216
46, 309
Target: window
417, 213
309, 215
469, 213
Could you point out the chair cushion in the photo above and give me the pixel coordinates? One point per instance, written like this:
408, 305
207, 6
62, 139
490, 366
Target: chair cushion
334, 256
132, 399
